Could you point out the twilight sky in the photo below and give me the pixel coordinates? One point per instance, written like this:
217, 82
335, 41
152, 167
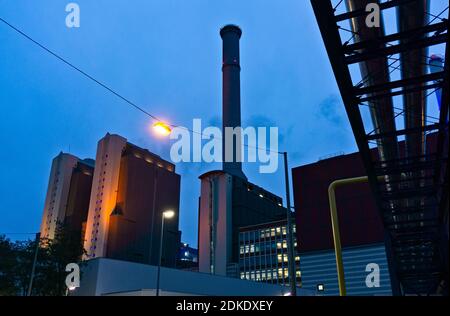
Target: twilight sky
164, 55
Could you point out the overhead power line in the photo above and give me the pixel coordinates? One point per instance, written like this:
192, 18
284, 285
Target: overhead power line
79, 70
117, 94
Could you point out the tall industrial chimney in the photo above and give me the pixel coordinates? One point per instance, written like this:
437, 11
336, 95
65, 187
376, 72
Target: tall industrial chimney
231, 95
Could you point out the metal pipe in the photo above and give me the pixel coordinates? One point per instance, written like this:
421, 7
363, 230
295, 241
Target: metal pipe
335, 226
411, 16
374, 72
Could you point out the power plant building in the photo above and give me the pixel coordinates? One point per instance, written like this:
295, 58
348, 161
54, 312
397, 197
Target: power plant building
228, 201
131, 189
68, 192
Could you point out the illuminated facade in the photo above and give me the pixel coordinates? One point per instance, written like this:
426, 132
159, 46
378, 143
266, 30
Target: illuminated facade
263, 255
68, 192
131, 189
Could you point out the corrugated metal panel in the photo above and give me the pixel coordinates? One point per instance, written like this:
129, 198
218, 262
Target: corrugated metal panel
320, 268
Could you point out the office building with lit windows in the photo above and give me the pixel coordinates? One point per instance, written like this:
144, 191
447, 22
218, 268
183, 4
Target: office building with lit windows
68, 193
227, 203
131, 189
263, 255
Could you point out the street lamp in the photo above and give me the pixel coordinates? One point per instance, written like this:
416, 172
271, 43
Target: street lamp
33, 269
70, 289
162, 128
166, 214
290, 239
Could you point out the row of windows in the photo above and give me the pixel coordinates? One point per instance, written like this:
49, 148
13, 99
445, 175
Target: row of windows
262, 194
51, 207
261, 247
264, 247
265, 233
96, 221
272, 260
159, 164
268, 274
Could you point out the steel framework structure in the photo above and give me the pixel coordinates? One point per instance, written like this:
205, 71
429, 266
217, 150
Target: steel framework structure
412, 194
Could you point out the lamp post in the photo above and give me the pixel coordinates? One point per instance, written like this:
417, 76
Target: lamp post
290, 239
33, 269
166, 214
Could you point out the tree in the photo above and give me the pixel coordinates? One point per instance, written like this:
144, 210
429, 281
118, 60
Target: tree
8, 285
53, 256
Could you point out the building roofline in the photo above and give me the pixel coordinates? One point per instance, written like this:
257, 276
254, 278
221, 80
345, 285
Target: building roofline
212, 172
262, 225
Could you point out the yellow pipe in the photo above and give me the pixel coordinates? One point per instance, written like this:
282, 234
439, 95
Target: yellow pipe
335, 226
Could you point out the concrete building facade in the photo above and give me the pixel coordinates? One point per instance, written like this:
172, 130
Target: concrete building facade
108, 277
228, 203
68, 191
131, 189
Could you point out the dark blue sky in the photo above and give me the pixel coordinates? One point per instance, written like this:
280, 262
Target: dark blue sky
165, 56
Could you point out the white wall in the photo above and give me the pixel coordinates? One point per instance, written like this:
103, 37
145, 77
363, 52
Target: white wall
104, 276
215, 210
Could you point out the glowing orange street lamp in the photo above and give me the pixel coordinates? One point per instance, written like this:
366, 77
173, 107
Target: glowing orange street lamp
162, 128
